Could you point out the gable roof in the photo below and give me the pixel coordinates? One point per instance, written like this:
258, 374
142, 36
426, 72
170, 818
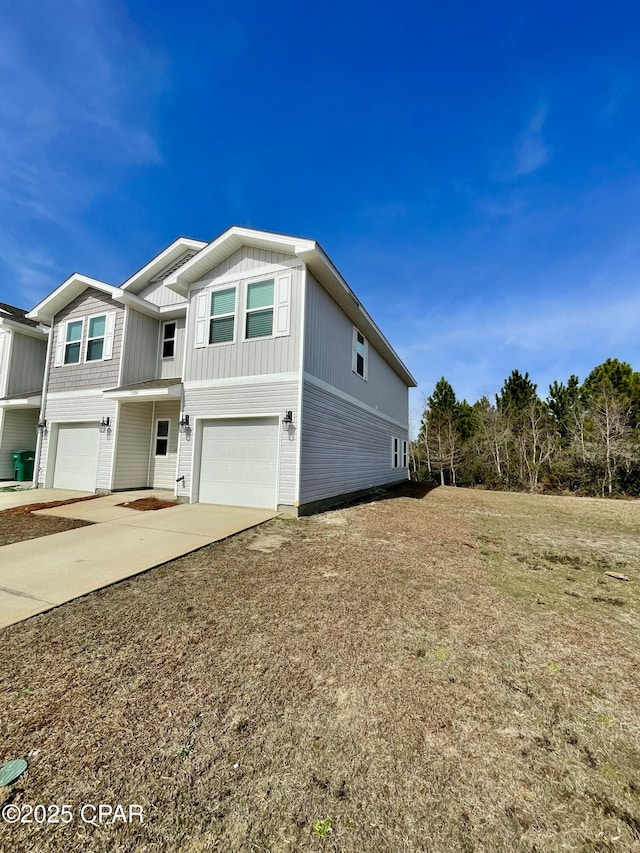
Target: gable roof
76, 284
165, 263
16, 320
17, 315
316, 260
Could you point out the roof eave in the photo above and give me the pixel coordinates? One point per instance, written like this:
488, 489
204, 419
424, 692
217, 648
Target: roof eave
139, 279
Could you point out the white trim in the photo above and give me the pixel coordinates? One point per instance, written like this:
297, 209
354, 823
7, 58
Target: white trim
66, 343
114, 449
331, 389
124, 347
156, 437
217, 289
158, 262
395, 452
89, 318
302, 326
144, 393
365, 357
248, 310
63, 395
6, 348
163, 326
22, 328
152, 440
43, 406
258, 379
25, 402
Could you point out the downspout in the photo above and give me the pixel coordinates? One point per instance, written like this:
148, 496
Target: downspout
43, 406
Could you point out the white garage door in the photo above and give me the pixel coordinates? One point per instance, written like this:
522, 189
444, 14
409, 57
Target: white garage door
239, 462
76, 463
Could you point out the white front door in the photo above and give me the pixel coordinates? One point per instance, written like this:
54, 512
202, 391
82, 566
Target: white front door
76, 464
239, 462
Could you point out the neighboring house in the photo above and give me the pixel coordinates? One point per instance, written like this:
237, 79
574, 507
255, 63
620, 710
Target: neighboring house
243, 371
23, 347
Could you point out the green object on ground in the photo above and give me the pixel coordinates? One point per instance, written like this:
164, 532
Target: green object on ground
23, 464
10, 770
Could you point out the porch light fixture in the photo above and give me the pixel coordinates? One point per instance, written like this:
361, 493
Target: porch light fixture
104, 424
287, 420
184, 422
42, 425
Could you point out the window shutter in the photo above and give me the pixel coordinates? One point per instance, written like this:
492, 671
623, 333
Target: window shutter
62, 336
202, 315
109, 329
282, 306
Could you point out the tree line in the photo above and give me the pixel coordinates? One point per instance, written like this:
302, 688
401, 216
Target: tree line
583, 438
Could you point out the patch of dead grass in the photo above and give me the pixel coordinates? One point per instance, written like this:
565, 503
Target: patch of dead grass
149, 504
389, 683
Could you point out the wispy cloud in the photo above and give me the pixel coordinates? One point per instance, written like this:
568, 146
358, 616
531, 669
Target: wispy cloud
77, 92
530, 150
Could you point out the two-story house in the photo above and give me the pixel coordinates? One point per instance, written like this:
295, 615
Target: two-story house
242, 371
23, 346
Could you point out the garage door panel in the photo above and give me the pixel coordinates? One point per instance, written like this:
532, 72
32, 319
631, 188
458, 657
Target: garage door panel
76, 463
239, 462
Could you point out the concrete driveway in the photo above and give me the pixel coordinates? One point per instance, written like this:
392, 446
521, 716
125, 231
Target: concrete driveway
39, 574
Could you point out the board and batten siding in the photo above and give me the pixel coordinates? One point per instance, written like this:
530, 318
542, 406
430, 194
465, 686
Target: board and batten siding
160, 295
168, 368
5, 356
345, 447
229, 401
28, 356
131, 468
92, 374
17, 432
328, 353
162, 470
252, 357
140, 350
84, 409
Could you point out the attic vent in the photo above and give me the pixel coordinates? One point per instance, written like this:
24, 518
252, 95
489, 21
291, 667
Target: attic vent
167, 271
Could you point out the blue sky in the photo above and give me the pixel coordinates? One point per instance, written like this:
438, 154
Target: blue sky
472, 169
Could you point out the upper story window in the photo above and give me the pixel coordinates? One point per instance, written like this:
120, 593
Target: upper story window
169, 340
260, 309
223, 316
95, 338
360, 359
73, 341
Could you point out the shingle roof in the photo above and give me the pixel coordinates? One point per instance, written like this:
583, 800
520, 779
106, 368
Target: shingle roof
10, 312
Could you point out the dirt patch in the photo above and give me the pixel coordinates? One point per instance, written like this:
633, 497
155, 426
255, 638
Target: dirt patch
17, 524
148, 504
374, 686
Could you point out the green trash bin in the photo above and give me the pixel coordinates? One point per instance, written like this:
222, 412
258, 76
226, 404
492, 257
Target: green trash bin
23, 465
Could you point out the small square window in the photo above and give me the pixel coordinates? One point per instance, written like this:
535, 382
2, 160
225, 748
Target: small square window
169, 340
223, 316
73, 341
260, 309
162, 438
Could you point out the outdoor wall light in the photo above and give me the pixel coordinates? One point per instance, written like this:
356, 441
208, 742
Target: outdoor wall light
287, 420
104, 424
42, 425
184, 422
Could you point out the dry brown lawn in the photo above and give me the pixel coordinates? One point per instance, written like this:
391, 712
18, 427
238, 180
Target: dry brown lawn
19, 524
437, 673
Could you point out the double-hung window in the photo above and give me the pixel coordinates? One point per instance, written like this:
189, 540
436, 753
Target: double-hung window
259, 322
95, 338
360, 359
162, 437
395, 452
405, 454
169, 340
73, 341
223, 315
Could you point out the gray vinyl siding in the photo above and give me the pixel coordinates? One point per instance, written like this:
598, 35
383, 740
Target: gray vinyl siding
253, 357
163, 468
131, 469
168, 368
140, 353
233, 400
17, 432
74, 409
26, 371
160, 295
344, 447
328, 347
95, 374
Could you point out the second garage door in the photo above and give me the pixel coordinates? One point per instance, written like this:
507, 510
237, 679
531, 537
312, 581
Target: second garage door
239, 462
76, 464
